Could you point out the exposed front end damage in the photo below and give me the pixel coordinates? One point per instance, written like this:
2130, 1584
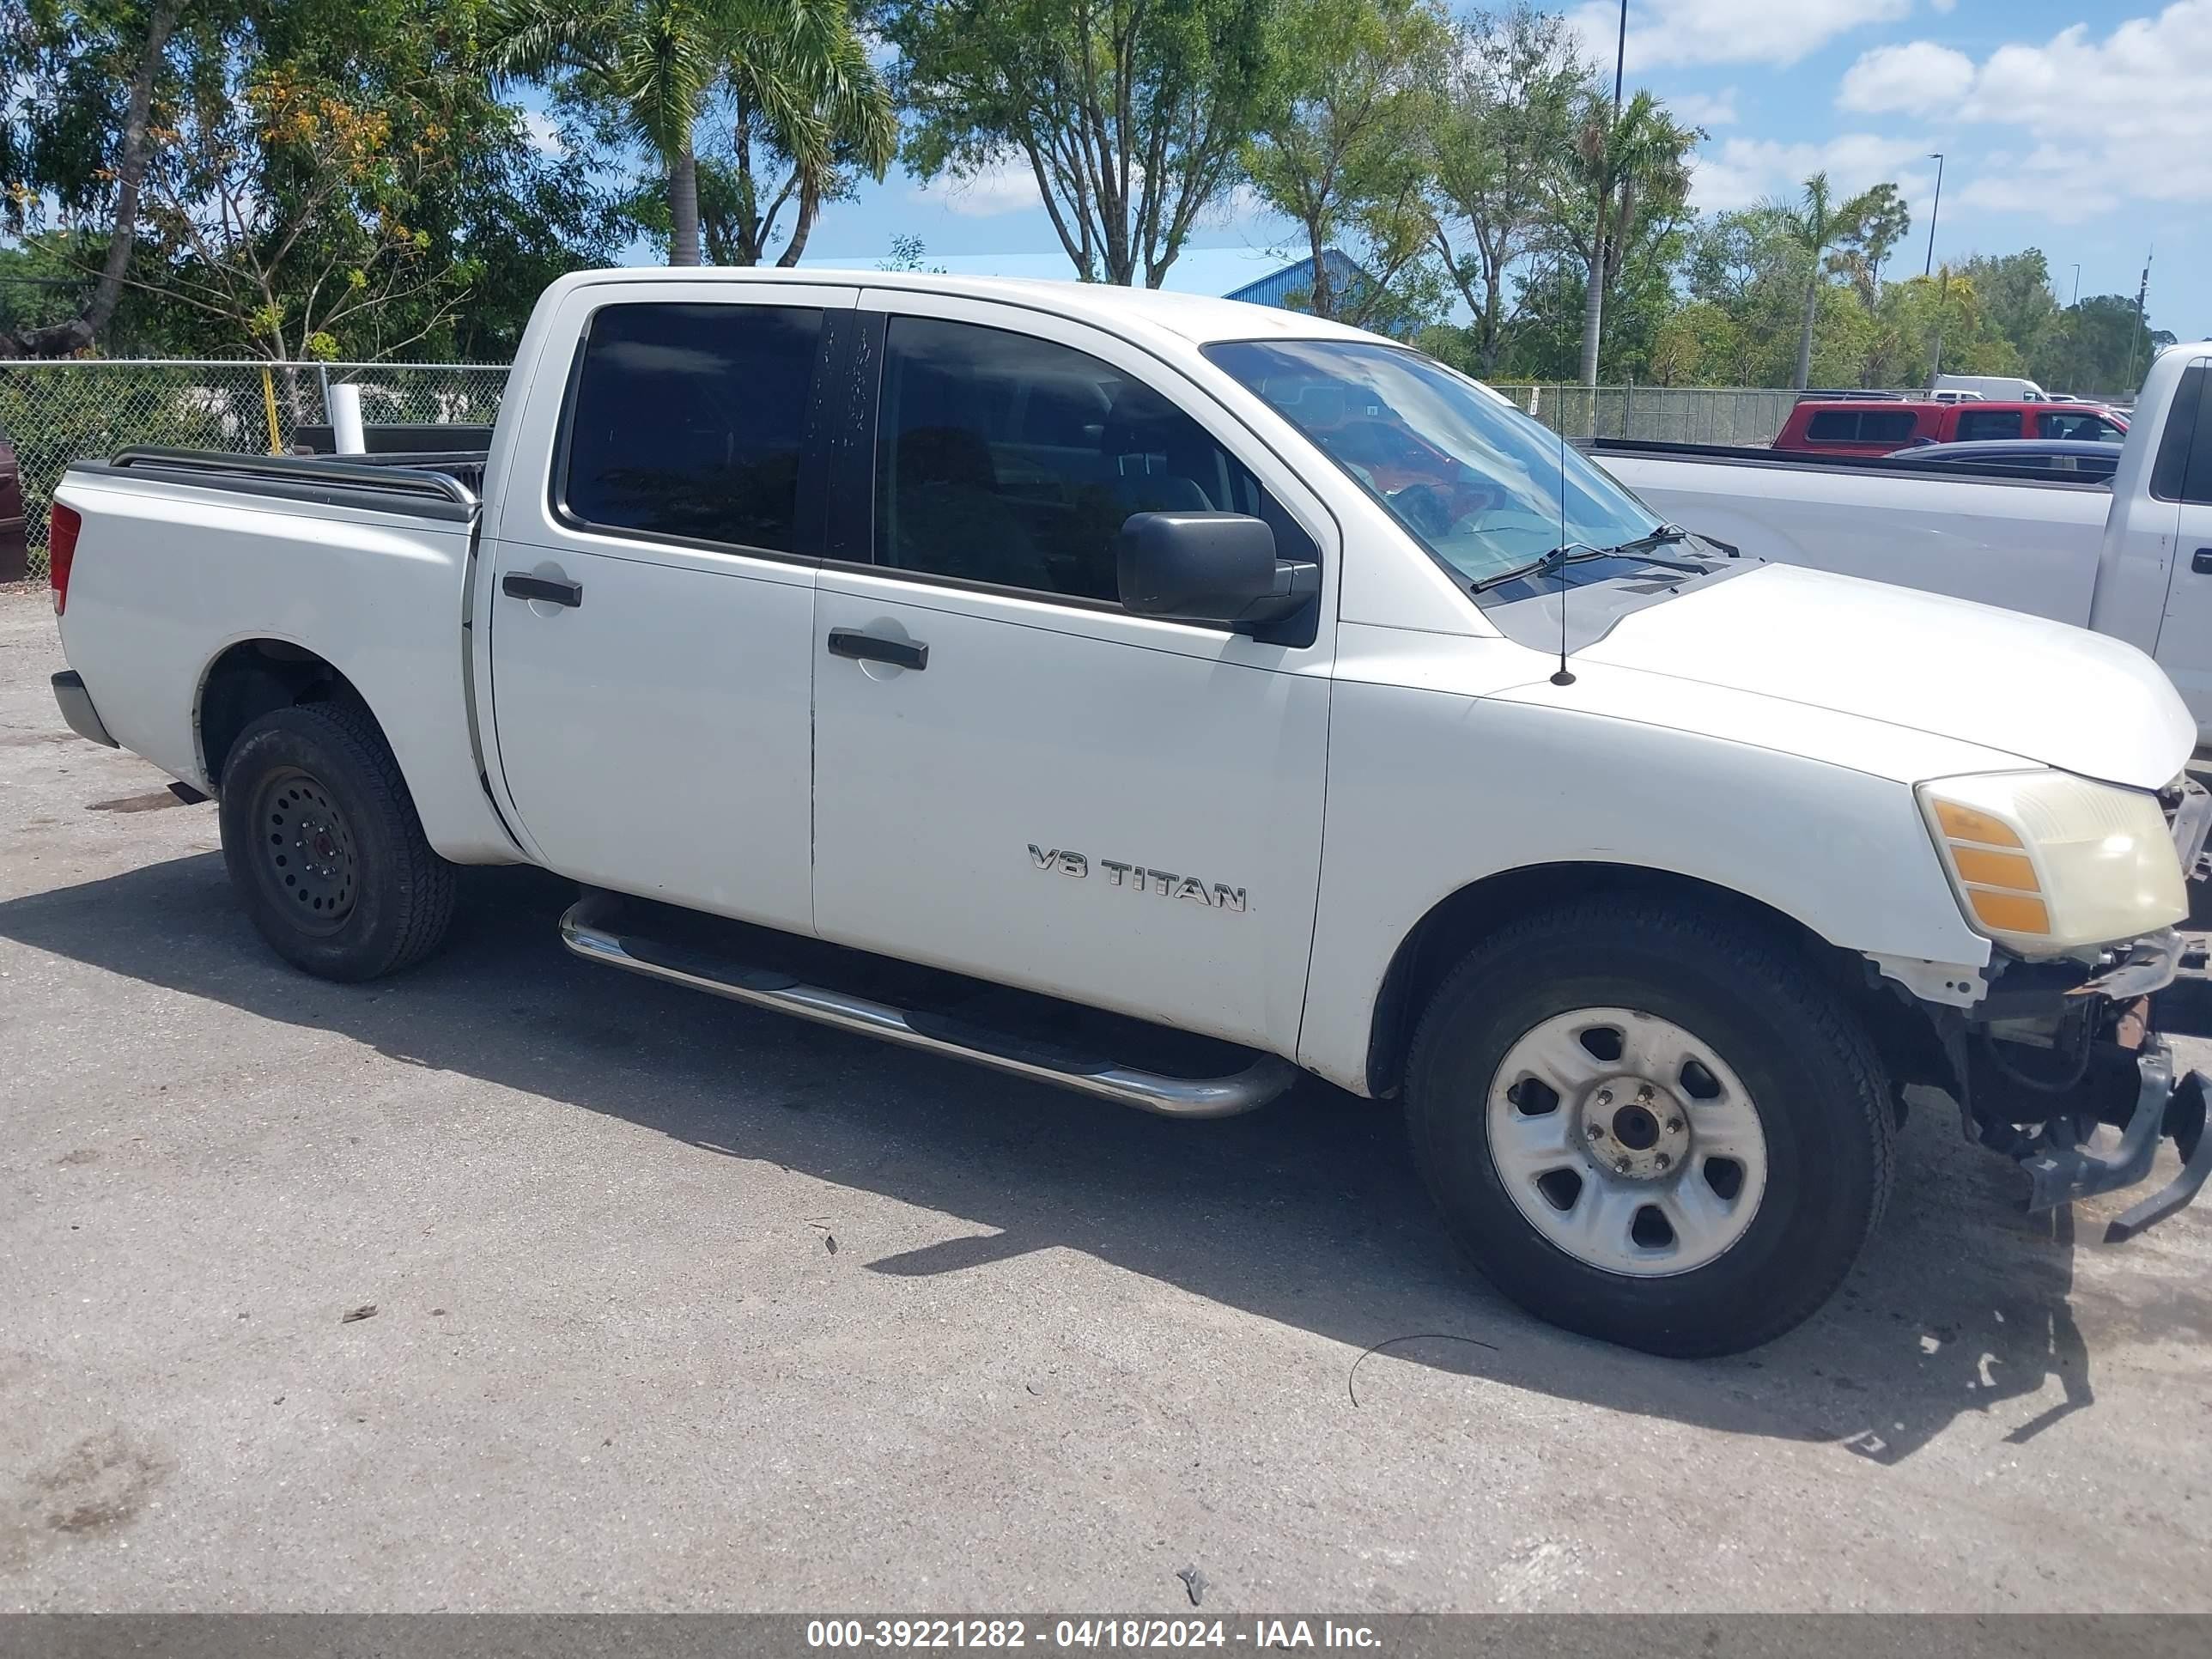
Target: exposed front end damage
2048, 1051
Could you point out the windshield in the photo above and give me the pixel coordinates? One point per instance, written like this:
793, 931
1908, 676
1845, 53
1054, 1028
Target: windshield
1475, 480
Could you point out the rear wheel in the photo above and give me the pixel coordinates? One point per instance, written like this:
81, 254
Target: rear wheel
1650, 1128
323, 846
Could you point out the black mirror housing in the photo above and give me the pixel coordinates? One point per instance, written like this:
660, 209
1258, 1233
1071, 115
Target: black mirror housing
1211, 567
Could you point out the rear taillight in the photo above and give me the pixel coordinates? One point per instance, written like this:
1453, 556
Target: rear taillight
61, 551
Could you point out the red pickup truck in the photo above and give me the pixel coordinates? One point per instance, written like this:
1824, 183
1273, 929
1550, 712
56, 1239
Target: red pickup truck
14, 547
1880, 426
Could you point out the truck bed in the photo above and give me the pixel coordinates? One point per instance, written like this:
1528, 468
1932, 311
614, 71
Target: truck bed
2029, 544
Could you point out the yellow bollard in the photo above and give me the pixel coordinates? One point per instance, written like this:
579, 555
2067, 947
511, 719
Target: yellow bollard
269, 400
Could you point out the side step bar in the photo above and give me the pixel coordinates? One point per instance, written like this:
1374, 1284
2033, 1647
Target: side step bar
585, 930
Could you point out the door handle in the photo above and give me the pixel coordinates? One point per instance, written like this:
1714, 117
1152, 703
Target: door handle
552, 589
867, 648
2202, 563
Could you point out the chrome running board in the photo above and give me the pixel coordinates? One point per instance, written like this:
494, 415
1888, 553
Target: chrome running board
586, 929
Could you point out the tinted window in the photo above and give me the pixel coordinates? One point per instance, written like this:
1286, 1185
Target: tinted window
2197, 486
2169, 470
1887, 426
1011, 461
1834, 426
2095, 428
1988, 424
687, 421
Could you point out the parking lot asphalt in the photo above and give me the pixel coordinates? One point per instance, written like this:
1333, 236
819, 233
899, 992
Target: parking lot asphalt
677, 1305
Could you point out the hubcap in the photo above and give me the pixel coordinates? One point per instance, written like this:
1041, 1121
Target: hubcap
1626, 1141
305, 852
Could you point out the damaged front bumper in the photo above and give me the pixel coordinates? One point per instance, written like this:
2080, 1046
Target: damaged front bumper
2051, 1054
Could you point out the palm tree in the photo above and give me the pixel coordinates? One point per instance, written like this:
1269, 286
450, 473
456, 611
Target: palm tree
1816, 224
653, 60
803, 86
1632, 164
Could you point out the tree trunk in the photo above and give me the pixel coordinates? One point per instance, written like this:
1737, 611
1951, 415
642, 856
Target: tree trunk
1805, 333
683, 208
809, 205
1594, 302
1319, 297
60, 339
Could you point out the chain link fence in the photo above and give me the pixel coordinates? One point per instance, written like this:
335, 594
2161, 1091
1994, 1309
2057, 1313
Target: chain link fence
60, 412
1671, 414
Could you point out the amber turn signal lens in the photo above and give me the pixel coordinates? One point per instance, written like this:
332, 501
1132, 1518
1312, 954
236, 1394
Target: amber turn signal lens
2010, 913
1964, 823
1986, 869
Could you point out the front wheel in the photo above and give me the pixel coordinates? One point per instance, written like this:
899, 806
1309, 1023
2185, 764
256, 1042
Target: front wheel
323, 846
1651, 1127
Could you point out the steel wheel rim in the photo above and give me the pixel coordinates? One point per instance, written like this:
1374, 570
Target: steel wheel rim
304, 849
1626, 1141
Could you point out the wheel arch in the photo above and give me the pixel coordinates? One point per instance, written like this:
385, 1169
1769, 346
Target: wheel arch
1902, 1031
251, 678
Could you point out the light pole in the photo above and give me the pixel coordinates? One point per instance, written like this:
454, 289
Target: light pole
1619, 57
2076, 299
1936, 157
1594, 301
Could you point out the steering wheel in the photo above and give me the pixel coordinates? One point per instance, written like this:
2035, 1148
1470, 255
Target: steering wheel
1427, 507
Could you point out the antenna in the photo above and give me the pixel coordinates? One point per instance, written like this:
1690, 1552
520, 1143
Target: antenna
1564, 676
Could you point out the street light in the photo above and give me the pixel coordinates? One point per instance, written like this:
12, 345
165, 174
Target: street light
1935, 156
2076, 299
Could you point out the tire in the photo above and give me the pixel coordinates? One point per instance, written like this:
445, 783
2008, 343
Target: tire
1712, 1260
324, 848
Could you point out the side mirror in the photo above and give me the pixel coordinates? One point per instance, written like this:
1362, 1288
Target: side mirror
1211, 567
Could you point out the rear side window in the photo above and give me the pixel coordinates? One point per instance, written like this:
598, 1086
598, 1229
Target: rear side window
687, 422
1862, 426
1989, 423
1887, 426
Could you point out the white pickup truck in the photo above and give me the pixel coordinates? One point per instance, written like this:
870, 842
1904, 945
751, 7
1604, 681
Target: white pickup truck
2131, 559
1159, 698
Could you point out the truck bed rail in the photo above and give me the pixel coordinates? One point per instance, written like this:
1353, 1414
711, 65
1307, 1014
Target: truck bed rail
422, 485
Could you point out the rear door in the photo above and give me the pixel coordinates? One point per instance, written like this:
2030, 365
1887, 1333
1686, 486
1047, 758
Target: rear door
1015, 777
652, 619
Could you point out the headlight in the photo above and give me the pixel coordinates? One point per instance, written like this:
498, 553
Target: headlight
2045, 862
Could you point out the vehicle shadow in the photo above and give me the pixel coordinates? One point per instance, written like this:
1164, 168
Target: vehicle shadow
1307, 1212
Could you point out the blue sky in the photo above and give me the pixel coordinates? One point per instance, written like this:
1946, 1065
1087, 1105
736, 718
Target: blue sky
2083, 127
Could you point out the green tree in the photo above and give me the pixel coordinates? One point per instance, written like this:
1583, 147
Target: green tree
1816, 223
1625, 173
651, 61
1496, 147
1342, 156
1129, 113
64, 132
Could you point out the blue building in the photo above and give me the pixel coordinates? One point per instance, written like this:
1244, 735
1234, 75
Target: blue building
1277, 288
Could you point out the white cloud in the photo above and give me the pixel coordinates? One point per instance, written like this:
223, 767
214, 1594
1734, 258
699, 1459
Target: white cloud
2111, 117
1919, 76
1778, 32
1741, 171
1005, 186
1706, 110
542, 134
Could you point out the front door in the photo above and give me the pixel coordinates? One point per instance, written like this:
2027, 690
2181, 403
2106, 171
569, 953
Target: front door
2184, 634
1015, 777
652, 618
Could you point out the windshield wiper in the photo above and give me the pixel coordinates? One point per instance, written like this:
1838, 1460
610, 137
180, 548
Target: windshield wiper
1663, 536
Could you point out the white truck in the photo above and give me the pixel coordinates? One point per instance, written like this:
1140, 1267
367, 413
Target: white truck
1163, 697
2131, 558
